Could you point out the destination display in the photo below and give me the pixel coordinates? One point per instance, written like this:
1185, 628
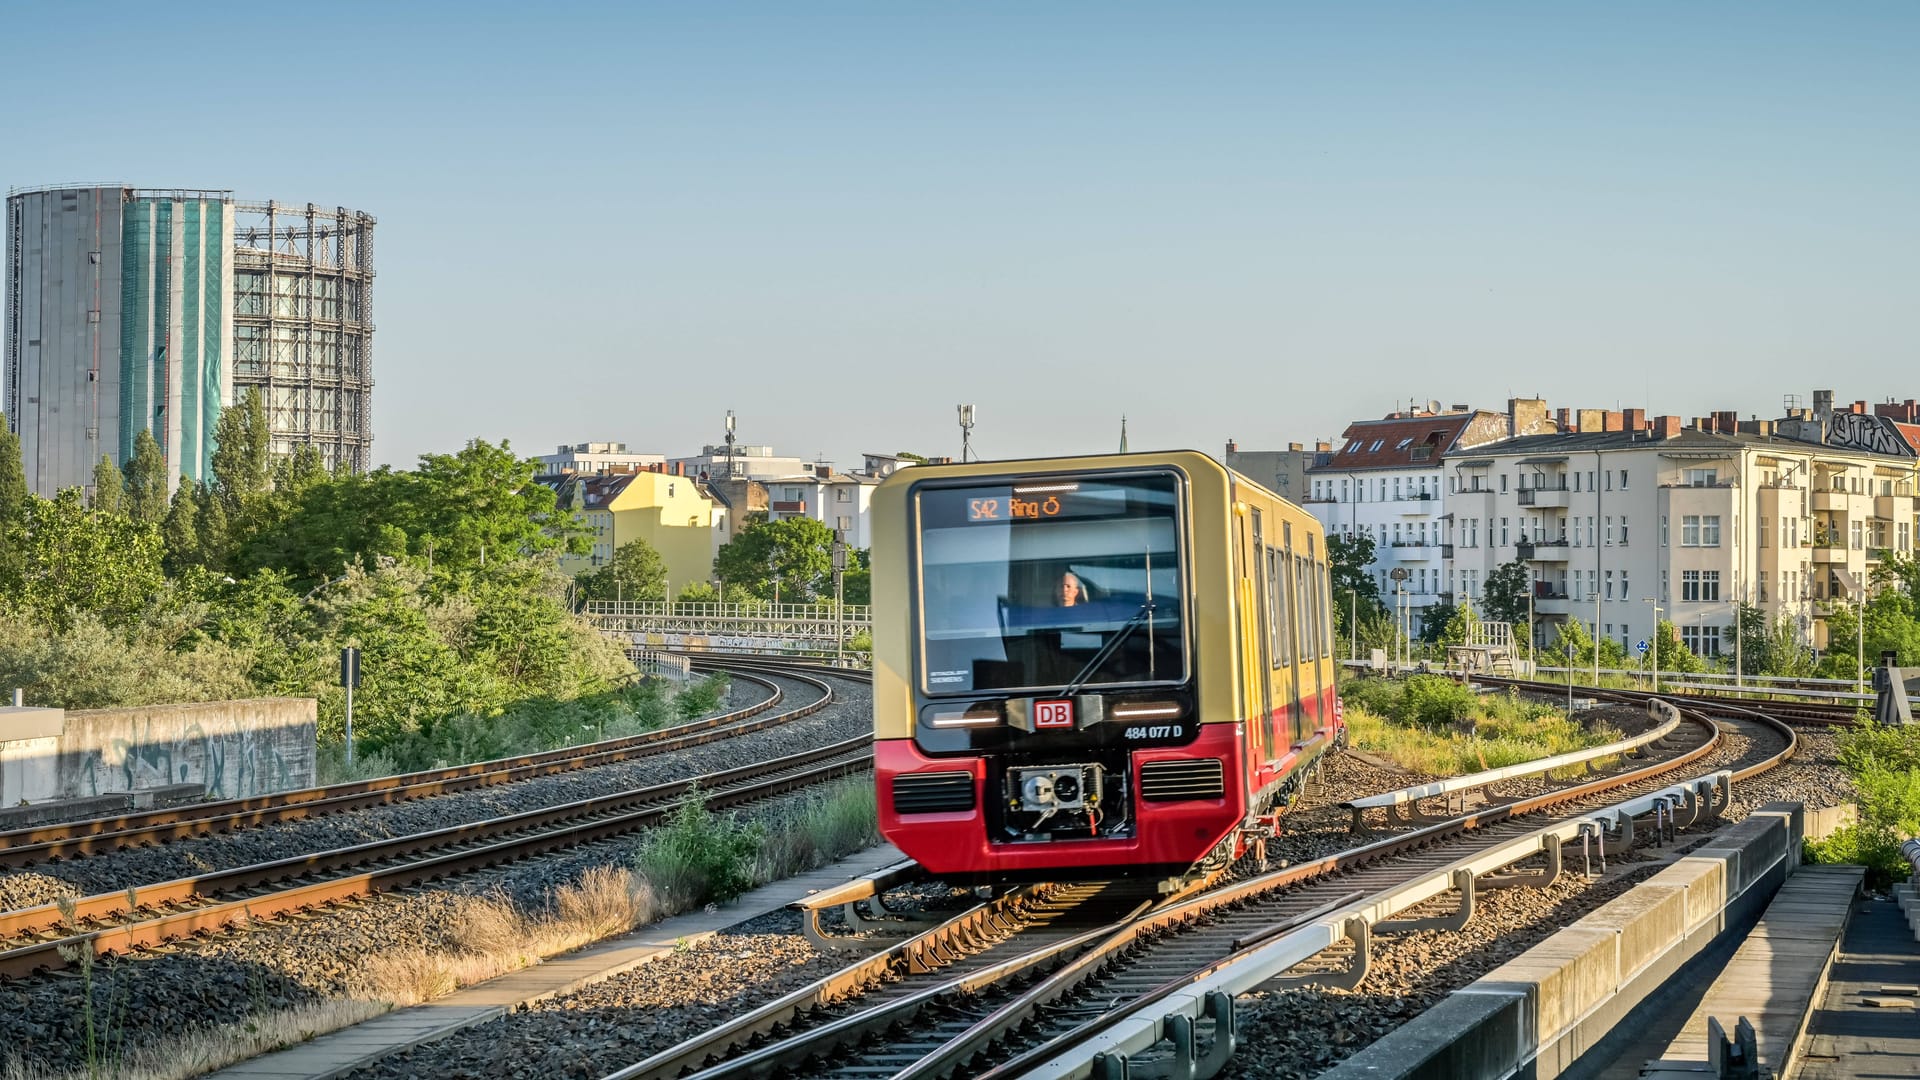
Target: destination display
1018, 504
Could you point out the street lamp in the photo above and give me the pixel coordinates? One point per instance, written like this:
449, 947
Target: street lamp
1657, 609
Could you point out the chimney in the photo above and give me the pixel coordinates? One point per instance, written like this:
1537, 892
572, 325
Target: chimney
1232, 447
1822, 404
1589, 420
1666, 427
1526, 416
1613, 421
1458, 407
1726, 422
1294, 446
1636, 419
1563, 418
1323, 447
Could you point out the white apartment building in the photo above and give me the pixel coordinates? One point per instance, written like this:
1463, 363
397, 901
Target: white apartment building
1613, 525
597, 457
1387, 481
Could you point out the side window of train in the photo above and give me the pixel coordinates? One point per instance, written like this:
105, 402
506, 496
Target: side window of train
1277, 606
1300, 565
1326, 610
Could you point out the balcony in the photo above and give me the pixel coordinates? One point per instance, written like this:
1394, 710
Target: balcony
1412, 550
1549, 497
1552, 604
1542, 551
1417, 505
1446, 551
1831, 500
1833, 554
1893, 507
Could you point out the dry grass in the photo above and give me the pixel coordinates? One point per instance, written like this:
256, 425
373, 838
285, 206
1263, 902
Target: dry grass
493, 937
198, 1052
1496, 741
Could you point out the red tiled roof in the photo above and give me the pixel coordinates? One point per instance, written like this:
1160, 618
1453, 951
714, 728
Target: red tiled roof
1909, 432
1394, 443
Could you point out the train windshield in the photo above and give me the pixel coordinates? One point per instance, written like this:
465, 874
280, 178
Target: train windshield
1052, 584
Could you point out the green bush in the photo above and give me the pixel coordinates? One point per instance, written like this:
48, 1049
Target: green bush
696, 700
1877, 849
699, 856
1436, 701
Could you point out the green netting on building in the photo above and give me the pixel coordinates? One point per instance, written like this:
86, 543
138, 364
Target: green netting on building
214, 343
189, 366
136, 323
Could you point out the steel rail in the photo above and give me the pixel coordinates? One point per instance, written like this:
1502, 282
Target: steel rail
502, 840
955, 996
1791, 711
965, 1047
24, 847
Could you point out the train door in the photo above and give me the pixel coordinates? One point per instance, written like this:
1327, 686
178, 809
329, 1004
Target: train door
1316, 638
1263, 643
1296, 603
1246, 553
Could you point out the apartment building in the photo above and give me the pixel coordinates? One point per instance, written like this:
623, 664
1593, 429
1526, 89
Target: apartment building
672, 513
1388, 481
1629, 519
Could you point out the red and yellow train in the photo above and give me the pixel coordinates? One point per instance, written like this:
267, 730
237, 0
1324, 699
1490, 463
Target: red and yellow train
1094, 665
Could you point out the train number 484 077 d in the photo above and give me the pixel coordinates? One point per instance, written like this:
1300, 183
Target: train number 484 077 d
1155, 731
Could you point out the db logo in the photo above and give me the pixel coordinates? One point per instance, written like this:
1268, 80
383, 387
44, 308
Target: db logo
1053, 714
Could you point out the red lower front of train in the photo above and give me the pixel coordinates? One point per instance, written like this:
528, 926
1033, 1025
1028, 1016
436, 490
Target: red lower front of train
1169, 835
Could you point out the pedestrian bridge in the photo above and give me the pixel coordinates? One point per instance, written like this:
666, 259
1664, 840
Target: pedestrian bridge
776, 629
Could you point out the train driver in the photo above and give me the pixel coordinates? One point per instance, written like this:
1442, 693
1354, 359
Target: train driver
1069, 592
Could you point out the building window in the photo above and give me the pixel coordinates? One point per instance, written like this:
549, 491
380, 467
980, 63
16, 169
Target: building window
1503, 483
1853, 535
1702, 477
1701, 640
1623, 479
1710, 530
1609, 527
1665, 592
1609, 592
1690, 530
1503, 532
1623, 528
1765, 540
1761, 582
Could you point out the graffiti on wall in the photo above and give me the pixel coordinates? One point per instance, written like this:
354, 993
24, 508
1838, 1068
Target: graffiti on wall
1859, 431
231, 758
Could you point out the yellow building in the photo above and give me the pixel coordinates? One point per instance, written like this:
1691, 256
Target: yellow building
669, 512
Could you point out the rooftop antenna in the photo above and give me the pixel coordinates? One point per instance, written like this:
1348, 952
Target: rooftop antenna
966, 432
1123, 433
730, 439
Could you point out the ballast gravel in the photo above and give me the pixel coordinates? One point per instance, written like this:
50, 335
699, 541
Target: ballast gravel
114, 871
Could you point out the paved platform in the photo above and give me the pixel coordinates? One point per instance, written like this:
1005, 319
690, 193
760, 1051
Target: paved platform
343, 1051
1849, 1037
1775, 975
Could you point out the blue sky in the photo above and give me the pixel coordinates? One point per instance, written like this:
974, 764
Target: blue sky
1256, 221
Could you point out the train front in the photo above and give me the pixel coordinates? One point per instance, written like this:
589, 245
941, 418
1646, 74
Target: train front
1037, 700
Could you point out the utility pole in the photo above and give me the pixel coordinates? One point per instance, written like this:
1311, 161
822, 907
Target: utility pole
839, 596
349, 678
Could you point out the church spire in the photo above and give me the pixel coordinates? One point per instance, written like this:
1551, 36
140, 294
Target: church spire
1123, 433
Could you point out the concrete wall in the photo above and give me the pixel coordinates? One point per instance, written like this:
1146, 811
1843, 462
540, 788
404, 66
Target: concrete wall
236, 749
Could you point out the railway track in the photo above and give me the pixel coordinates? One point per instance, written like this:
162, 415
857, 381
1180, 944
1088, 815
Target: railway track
1808, 713
26, 847
1001, 1010
46, 938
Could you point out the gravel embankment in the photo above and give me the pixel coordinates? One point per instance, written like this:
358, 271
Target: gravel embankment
328, 954
114, 871
1299, 1033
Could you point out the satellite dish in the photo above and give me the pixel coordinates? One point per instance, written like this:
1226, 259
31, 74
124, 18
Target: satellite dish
1433, 406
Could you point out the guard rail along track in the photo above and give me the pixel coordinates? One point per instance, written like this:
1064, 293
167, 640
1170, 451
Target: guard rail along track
25, 847
1796, 712
40, 939
1025, 1007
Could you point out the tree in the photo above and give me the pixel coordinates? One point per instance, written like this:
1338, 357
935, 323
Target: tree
1504, 598
788, 560
70, 561
1354, 589
1748, 638
856, 584
181, 531
109, 486
636, 572
697, 592
1574, 634
242, 455
146, 500
1673, 653
13, 475
1445, 622
212, 524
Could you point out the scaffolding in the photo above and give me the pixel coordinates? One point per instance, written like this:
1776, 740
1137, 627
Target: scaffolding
303, 326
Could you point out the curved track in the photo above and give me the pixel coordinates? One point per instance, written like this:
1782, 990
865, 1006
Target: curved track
25, 847
1002, 1003
45, 938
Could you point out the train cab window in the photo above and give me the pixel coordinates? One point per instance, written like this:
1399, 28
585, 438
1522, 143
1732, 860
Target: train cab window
1277, 603
1057, 583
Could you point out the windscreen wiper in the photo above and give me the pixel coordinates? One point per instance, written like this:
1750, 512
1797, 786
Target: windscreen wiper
1107, 650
